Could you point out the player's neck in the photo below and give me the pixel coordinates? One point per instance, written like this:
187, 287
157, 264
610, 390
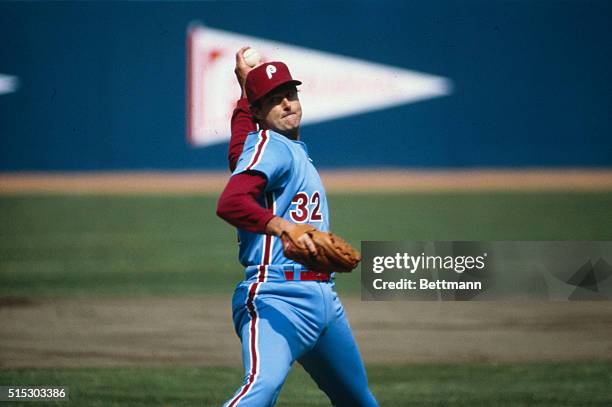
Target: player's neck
293, 134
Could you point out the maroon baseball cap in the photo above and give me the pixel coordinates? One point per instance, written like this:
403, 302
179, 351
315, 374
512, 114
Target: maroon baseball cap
265, 78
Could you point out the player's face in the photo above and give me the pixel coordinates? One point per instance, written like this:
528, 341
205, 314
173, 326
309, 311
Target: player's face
280, 110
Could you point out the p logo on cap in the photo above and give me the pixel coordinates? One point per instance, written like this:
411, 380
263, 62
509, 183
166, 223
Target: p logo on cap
270, 70
265, 78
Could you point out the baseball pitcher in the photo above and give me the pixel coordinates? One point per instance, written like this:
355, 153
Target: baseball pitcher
285, 309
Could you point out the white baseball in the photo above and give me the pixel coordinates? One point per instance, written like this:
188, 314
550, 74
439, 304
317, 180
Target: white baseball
252, 57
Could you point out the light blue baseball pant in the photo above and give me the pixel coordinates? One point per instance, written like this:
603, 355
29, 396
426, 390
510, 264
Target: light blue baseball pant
281, 322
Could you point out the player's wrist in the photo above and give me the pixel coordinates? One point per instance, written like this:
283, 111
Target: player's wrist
277, 225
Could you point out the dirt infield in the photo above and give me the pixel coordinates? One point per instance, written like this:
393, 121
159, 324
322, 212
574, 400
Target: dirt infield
197, 331
373, 180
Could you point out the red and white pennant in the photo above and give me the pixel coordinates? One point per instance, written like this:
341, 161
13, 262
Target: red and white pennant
334, 86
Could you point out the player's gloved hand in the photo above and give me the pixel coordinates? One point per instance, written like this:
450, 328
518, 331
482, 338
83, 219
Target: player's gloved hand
319, 251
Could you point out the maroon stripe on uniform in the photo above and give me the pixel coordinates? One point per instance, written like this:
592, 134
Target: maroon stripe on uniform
260, 145
251, 308
252, 345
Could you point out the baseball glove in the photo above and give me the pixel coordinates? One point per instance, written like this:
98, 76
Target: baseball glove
334, 254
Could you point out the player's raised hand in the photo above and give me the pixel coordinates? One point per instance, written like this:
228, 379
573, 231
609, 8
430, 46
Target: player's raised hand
242, 69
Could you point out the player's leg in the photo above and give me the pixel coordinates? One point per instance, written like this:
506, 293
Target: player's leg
270, 343
266, 354
336, 366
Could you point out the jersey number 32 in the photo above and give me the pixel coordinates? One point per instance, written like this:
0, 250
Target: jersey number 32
306, 207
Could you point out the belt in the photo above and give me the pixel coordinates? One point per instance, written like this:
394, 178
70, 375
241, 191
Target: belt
307, 276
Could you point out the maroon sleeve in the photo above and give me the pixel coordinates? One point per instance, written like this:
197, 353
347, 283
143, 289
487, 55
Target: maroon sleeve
238, 205
242, 125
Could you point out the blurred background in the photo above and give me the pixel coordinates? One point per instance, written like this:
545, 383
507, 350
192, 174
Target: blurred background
116, 275
102, 84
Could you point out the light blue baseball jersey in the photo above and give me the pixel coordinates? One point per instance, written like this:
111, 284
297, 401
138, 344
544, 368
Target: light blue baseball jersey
280, 321
294, 191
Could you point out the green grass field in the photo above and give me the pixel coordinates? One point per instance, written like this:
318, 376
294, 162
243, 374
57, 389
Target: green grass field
526, 384
175, 245
68, 245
